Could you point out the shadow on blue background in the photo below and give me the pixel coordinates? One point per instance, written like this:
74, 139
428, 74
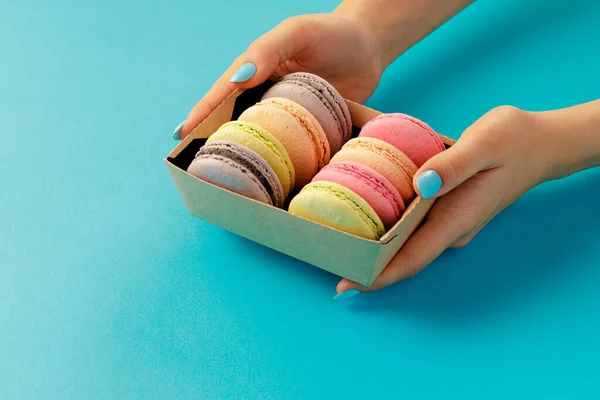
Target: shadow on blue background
531, 247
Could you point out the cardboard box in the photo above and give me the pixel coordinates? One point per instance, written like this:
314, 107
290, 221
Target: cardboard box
340, 253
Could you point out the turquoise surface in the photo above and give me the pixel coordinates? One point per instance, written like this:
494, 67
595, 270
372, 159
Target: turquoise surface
110, 290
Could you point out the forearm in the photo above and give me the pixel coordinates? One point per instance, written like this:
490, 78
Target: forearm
574, 137
396, 25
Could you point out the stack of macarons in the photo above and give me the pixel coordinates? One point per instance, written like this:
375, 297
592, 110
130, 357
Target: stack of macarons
368, 183
233, 166
278, 145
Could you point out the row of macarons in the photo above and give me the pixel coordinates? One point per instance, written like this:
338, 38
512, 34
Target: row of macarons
278, 145
368, 184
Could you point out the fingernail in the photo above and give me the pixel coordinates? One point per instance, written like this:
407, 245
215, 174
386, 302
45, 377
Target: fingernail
429, 183
347, 294
245, 72
177, 130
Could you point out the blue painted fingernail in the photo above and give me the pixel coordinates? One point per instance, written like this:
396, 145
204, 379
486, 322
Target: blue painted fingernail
177, 130
429, 183
347, 294
245, 72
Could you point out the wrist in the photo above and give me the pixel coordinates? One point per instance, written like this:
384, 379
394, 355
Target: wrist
395, 26
364, 22
383, 24
573, 138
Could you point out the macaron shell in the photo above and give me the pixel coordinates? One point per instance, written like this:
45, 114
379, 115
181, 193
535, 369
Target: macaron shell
223, 172
264, 144
334, 205
297, 130
310, 124
383, 158
413, 137
309, 99
251, 162
331, 94
373, 187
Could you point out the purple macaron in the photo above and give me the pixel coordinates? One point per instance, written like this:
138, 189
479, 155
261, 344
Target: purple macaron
234, 167
322, 100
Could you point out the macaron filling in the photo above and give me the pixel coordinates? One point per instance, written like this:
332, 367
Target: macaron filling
255, 166
319, 146
324, 187
328, 97
376, 184
413, 137
383, 152
257, 133
319, 94
233, 164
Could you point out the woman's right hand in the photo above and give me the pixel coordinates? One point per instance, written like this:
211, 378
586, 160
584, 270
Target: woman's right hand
334, 46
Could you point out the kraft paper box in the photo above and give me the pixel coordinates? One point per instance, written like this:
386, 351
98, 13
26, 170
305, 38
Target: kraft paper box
345, 255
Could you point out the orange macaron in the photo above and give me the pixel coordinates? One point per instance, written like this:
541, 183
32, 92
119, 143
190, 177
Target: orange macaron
384, 158
299, 132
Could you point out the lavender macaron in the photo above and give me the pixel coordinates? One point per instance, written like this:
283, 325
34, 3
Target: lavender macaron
322, 100
234, 167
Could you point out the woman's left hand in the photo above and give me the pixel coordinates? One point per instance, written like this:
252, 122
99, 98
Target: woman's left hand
495, 161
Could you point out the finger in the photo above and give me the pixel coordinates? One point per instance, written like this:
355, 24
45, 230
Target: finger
466, 238
424, 246
446, 170
254, 67
220, 90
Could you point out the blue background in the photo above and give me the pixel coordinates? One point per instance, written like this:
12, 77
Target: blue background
110, 290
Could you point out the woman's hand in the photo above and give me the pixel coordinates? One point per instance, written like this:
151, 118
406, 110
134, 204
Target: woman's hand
496, 160
350, 48
334, 46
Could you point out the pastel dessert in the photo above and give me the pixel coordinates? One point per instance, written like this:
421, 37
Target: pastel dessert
298, 131
384, 158
334, 205
413, 137
234, 167
369, 184
322, 100
262, 143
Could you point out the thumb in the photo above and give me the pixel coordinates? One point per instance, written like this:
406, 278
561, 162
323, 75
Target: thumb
260, 61
448, 169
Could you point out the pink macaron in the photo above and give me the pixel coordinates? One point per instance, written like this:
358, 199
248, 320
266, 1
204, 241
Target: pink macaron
413, 137
369, 184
